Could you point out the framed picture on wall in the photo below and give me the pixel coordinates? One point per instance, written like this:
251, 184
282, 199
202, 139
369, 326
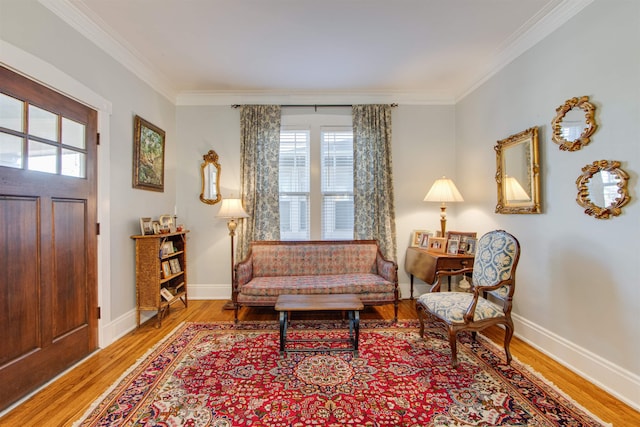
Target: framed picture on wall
148, 156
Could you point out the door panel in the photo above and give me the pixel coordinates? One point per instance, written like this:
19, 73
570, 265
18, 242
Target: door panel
19, 237
48, 261
70, 288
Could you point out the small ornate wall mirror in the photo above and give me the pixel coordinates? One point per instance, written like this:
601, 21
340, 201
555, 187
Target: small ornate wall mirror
602, 189
210, 172
574, 124
518, 173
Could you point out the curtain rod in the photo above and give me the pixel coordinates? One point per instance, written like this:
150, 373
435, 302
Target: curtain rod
315, 106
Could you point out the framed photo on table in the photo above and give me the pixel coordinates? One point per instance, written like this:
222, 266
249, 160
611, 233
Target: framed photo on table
146, 226
416, 237
424, 239
462, 237
471, 246
452, 246
437, 244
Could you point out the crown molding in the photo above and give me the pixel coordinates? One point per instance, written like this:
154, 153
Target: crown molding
528, 35
311, 98
84, 21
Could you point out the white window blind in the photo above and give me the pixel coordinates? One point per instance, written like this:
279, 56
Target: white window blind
337, 183
294, 184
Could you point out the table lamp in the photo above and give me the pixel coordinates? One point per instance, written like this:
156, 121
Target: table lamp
443, 190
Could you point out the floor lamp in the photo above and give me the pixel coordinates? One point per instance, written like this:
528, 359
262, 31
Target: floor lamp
233, 210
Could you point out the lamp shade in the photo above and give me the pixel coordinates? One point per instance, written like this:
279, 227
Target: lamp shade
443, 190
231, 208
513, 189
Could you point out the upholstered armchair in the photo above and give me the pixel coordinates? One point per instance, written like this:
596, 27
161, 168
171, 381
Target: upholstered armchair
489, 300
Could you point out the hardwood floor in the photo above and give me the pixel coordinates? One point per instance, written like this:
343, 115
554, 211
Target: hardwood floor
66, 399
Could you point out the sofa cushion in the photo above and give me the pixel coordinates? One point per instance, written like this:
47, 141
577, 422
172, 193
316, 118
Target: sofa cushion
359, 283
313, 259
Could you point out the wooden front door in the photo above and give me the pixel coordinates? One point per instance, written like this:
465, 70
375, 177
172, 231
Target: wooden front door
48, 266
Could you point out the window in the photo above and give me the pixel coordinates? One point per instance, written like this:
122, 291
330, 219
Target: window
337, 184
316, 183
39, 140
294, 185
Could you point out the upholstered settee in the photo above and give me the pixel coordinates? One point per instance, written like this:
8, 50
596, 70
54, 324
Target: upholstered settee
356, 267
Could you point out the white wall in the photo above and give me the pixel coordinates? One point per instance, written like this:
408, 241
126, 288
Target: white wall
578, 293
201, 129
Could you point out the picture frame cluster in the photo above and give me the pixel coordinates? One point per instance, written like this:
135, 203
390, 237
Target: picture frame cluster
163, 225
453, 243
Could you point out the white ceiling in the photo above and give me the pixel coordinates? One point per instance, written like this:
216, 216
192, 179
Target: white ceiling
403, 50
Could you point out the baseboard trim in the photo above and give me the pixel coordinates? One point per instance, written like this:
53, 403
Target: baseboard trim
619, 382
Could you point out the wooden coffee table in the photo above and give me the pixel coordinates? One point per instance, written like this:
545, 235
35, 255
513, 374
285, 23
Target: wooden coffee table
306, 303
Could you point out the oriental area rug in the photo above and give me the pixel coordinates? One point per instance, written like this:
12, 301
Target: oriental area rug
225, 374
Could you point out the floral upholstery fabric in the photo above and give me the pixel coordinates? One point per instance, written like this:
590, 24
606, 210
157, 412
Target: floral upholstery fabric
494, 261
353, 267
320, 284
297, 260
452, 306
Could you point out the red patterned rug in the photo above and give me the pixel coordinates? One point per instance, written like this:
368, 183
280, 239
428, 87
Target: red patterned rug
221, 374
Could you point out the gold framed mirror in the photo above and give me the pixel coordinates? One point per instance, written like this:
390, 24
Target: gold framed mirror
602, 189
210, 173
518, 173
574, 124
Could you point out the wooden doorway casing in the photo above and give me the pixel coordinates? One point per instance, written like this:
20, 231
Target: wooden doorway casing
48, 273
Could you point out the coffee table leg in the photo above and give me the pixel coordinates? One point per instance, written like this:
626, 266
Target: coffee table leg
356, 329
283, 330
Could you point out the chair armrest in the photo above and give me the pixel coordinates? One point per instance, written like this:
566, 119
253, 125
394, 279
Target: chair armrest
387, 269
477, 291
243, 274
435, 287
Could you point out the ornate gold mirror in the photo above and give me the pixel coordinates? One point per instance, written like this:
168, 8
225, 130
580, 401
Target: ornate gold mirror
210, 172
574, 124
518, 173
602, 189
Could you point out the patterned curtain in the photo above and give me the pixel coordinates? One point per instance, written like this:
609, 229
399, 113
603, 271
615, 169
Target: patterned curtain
374, 212
259, 157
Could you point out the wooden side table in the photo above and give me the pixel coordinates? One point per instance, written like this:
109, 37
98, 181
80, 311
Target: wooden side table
424, 264
304, 303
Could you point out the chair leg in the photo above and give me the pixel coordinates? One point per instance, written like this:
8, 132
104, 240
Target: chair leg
508, 333
454, 348
420, 314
